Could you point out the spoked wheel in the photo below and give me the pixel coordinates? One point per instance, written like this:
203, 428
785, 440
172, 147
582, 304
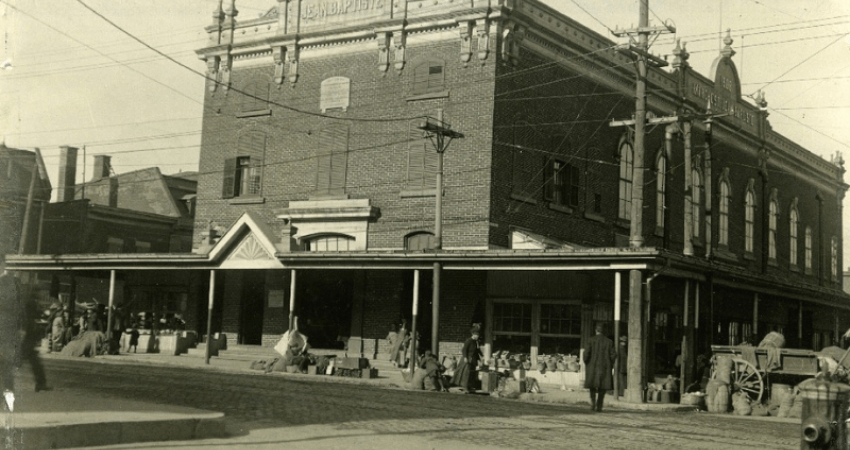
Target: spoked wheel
747, 379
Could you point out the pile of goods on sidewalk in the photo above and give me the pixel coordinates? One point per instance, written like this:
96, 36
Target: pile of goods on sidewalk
664, 390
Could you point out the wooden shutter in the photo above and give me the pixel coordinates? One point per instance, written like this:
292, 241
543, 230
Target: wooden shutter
429, 173
255, 95
415, 156
420, 78
573, 185
228, 185
332, 160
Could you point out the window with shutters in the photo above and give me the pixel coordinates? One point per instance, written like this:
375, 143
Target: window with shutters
773, 210
562, 183
808, 255
696, 202
428, 76
254, 97
660, 190
626, 168
243, 174
421, 160
332, 160
723, 226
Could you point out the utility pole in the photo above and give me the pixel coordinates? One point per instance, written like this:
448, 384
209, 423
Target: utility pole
639, 50
441, 135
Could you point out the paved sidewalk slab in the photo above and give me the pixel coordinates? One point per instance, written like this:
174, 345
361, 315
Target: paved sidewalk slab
62, 419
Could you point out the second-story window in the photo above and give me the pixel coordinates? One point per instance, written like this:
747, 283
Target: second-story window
332, 160
626, 174
723, 226
428, 76
834, 259
808, 255
660, 189
562, 183
771, 234
243, 174
421, 159
696, 202
749, 220
793, 222
255, 95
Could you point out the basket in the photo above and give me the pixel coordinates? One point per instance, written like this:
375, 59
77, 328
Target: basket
692, 400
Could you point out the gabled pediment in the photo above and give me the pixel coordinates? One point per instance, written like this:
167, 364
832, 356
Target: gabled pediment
248, 244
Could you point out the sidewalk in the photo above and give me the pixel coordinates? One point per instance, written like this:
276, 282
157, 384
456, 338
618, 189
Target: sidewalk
62, 419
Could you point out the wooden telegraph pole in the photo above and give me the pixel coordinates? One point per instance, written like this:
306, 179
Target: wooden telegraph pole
639, 51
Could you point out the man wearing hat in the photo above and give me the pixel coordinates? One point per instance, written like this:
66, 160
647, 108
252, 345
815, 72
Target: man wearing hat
599, 357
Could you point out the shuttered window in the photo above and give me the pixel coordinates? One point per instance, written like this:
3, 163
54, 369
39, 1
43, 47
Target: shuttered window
332, 160
421, 159
243, 175
428, 76
255, 95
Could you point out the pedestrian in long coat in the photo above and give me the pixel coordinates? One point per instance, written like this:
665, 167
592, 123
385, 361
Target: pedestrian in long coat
599, 355
466, 374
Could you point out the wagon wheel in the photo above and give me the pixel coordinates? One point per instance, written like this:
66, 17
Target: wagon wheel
747, 379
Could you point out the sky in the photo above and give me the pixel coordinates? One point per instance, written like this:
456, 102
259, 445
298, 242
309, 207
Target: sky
76, 80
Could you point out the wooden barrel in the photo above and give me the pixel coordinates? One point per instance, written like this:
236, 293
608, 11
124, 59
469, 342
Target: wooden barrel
721, 399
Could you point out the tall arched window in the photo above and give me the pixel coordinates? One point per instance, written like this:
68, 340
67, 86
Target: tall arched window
696, 201
773, 208
793, 223
749, 220
808, 255
723, 226
834, 259
626, 169
660, 189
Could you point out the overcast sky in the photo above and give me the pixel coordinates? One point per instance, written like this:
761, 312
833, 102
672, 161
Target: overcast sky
76, 80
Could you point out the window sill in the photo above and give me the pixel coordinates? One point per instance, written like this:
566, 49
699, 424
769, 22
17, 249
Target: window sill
772, 262
246, 200
793, 268
659, 231
697, 242
722, 253
808, 271
623, 223
524, 198
560, 208
259, 112
749, 256
428, 96
594, 217
413, 193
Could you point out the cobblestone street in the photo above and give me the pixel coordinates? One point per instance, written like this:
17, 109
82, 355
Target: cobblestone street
270, 411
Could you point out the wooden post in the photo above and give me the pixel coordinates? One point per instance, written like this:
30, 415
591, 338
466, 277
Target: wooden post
291, 298
413, 323
109, 315
636, 338
684, 351
617, 305
435, 311
209, 317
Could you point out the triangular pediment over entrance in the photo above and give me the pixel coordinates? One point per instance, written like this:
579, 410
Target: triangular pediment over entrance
248, 244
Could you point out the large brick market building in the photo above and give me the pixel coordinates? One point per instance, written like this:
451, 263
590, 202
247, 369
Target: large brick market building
316, 182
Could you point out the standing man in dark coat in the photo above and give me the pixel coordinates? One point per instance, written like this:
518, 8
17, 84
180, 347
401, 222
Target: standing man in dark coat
466, 375
599, 356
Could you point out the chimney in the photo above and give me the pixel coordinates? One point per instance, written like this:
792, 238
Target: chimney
102, 167
67, 173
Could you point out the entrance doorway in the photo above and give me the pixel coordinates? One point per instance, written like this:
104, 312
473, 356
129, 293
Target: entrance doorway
251, 310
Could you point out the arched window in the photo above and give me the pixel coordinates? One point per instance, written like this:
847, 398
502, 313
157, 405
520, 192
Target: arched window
773, 209
660, 189
723, 226
330, 243
793, 223
808, 249
749, 220
696, 201
419, 241
626, 169
834, 259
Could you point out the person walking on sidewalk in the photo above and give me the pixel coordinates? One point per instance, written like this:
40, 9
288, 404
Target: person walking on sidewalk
466, 374
599, 361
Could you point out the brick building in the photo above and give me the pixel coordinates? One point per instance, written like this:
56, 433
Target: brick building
317, 188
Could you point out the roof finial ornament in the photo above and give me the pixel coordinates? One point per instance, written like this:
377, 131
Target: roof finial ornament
727, 50
677, 54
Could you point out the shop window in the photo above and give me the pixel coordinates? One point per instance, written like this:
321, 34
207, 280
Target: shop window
243, 174
626, 154
723, 226
660, 189
330, 243
332, 160
749, 220
421, 159
793, 223
511, 318
560, 328
562, 183
428, 76
419, 241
